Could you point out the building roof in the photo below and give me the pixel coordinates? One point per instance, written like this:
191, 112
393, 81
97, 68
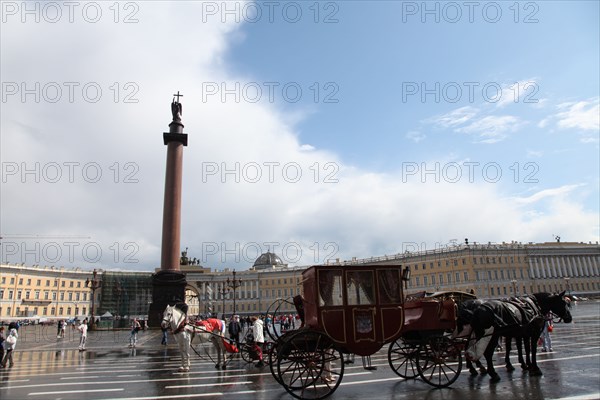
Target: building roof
268, 260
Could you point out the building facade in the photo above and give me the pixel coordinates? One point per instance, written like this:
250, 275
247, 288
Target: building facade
489, 270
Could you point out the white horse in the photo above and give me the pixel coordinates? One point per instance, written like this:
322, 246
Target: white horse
185, 333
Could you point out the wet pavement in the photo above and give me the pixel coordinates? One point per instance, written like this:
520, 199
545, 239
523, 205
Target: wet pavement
50, 368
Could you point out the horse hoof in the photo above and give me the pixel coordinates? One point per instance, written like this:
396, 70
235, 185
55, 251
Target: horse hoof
535, 372
510, 368
217, 366
495, 378
473, 372
223, 367
525, 367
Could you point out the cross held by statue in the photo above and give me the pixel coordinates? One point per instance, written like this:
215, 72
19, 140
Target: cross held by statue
178, 96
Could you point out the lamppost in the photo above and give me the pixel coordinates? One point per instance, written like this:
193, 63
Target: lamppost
568, 287
514, 286
234, 284
93, 284
223, 290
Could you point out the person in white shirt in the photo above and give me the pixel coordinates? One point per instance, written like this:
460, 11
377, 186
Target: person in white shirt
83, 328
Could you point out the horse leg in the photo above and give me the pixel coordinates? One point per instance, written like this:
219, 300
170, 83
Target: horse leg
528, 349
534, 370
524, 365
482, 369
472, 369
489, 355
507, 345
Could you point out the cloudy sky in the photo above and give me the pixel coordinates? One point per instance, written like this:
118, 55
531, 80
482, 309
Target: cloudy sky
318, 130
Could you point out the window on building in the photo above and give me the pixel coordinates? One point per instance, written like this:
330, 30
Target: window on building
62, 297
28, 282
39, 282
47, 282
474, 260
433, 279
449, 276
457, 277
68, 310
441, 279
71, 284
425, 283
466, 276
78, 284
20, 281
37, 294
492, 291
10, 295
62, 284
464, 261
417, 281
502, 274
1, 295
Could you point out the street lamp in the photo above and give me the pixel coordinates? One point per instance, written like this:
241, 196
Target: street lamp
93, 284
568, 287
234, 284
223, 290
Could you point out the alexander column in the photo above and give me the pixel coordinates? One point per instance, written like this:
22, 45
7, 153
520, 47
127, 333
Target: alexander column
168, 285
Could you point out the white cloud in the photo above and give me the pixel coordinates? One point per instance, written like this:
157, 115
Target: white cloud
247, 178
581, 115
415, 136
454, 118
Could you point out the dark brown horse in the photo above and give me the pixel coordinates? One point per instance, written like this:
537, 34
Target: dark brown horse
511, 318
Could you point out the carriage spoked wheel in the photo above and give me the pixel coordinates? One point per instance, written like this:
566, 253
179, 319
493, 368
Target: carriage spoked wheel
277, 310
439, 361
402, 357
308, 365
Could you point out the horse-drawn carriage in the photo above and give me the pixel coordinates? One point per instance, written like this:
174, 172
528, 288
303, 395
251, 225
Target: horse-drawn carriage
359, 309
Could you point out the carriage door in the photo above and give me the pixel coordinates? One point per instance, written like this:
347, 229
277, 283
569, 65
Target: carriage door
360, 292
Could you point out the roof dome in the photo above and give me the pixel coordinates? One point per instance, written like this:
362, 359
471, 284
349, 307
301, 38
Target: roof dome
268, 260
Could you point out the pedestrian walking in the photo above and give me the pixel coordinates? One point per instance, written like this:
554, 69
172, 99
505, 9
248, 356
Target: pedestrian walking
259, 339
135, 328
234, 330
59, 329
9, 346
82, 328
2, 338
165, 334
548, 327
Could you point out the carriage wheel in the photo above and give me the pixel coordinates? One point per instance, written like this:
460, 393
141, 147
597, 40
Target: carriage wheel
439, 361
246, 352
402, 357
276, 311
273, 352
309, 366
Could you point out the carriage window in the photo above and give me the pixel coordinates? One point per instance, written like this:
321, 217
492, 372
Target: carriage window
360, 287
330, 288
390, 286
